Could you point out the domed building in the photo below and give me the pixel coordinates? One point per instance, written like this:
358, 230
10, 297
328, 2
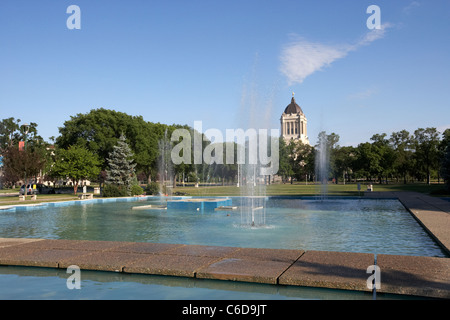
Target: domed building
294, 123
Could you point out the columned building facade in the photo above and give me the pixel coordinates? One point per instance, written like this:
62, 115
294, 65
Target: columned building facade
294, 123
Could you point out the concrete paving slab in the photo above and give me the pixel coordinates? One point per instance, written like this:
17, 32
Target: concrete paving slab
422, 201
170, 265
428, 201
336, 270
7, 242
281, 255
244, 269
203, 251
8, 254
437, 224
102, 260
81, 245
411, 275
146, 248
38, 258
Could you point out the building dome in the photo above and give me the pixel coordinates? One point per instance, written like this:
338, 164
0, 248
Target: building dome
293, 123
293, 108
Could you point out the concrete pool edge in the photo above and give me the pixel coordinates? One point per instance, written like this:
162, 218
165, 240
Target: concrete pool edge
404, 275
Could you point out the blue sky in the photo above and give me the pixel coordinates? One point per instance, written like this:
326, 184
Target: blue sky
231, 64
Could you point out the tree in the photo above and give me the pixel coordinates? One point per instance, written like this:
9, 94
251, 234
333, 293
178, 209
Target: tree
100, 129
401, 143
302, 160
285, 167
19, 163
387, 155
77, 164
8, 132
120, 170
445, 166
445, 162
344, 158
426, 150
367, 161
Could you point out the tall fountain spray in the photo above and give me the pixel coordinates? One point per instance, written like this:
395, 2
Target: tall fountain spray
322, 164
253, 192
165, 167
256, 113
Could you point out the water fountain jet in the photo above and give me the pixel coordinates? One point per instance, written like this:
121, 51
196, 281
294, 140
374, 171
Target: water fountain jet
322, 164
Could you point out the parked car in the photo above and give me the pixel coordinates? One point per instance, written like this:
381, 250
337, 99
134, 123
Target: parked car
40, 189
43, 189
30, 190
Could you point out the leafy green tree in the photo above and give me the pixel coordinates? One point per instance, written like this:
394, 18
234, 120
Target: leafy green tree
382, 146
426, 143
445, 166
120, 170
367, 161
100, 129
11, 132
76, 163
444, 149
296, 160
9, 129
285, 167
445, 139
401, 143
302, 160
292, 163
344, 158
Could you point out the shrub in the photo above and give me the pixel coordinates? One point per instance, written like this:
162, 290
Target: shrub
136, 190
113, 191
152, 188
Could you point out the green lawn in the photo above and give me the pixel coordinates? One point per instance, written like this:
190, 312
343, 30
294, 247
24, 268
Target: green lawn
309, 190
7, 200
270, 190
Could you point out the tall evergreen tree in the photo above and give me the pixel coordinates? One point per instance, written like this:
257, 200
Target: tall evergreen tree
120, 165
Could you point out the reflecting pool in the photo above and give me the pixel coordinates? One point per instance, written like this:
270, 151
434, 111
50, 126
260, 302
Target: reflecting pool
351, 225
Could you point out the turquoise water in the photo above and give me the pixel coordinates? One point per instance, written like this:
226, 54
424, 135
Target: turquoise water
24, 283
356, 225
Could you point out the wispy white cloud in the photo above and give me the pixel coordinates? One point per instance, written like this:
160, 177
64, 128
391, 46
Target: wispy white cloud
410, 7
372, 35
301, 58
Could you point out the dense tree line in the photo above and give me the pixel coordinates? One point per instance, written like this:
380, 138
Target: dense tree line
403, 156
87, 141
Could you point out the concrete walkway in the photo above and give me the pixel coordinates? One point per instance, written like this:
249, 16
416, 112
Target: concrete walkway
409, 275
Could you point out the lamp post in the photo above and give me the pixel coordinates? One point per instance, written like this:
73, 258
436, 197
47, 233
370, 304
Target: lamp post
26, 128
